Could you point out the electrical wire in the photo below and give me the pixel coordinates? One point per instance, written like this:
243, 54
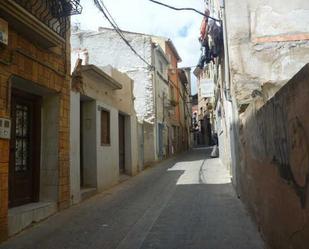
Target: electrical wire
191, 9
100, 5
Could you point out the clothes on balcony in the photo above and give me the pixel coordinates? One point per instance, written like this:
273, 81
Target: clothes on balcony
204, 26
211, 41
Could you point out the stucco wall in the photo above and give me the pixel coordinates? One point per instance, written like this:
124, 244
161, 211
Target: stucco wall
75, 147
88, 124
101, 162
268, 43
107, 155
104, 48
274, 172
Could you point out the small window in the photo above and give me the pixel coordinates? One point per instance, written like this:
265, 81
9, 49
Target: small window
161, 67
172, 92
105, 128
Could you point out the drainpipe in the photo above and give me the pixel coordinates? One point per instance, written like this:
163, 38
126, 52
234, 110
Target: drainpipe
227, 82
154, 81
234, 131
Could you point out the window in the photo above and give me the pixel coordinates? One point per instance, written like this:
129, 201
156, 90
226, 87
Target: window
105, 128
161, 67
172, 92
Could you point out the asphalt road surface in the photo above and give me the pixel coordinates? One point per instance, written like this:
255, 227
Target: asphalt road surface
186, 202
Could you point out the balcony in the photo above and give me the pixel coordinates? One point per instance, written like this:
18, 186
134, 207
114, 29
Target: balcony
45, 21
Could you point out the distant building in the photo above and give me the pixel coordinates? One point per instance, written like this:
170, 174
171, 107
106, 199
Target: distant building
179, 82
151, 83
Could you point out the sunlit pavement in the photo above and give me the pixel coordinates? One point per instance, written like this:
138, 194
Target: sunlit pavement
186, 202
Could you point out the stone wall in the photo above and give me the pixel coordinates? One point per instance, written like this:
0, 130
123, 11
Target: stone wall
274, 170
43, 68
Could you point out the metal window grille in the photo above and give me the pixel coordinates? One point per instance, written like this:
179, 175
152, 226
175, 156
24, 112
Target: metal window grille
53, 13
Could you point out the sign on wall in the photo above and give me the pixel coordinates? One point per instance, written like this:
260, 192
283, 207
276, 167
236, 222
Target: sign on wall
4, 31
207, 88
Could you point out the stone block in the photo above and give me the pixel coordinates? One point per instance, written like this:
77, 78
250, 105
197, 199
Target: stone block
21, 217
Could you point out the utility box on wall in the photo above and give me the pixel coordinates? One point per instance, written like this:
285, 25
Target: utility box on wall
4, 32
5, 128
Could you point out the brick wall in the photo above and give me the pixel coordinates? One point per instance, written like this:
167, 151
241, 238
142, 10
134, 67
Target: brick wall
48, 69
274, 172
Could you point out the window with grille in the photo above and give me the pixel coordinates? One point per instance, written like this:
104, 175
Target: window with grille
105, 127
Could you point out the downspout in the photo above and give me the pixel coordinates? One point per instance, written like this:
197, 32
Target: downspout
154, 81
227, 83
235, 155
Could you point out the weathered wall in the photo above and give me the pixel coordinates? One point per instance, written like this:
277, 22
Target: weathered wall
75, 147
101, 162
105, 47
268, 43
107, 156
274, 172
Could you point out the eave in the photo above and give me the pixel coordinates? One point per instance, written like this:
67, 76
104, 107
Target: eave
95, 72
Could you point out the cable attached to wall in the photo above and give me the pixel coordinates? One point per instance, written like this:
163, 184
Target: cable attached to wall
181, 9
100, 5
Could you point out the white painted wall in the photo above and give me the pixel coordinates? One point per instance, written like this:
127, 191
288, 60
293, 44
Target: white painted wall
107, 155
90, 134
162, 97
105, 47
75, 147
131, 145
101, 162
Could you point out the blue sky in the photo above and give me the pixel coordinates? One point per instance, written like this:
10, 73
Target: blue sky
146, 17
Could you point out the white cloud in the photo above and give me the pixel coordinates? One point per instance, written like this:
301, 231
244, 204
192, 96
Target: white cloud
146, 17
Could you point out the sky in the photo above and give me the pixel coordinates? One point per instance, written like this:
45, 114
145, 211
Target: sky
143, 16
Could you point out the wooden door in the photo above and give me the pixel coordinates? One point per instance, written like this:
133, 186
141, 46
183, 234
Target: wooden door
121, 144
24, 149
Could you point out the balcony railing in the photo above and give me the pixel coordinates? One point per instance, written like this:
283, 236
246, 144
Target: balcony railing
53, 13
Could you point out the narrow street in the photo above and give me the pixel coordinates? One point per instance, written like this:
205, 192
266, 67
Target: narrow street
185, 202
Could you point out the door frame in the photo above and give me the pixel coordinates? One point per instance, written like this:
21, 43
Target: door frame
35, 143
122, 118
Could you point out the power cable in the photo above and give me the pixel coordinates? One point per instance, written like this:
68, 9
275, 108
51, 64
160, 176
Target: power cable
102, 7
111, 17
99, 4
190, 9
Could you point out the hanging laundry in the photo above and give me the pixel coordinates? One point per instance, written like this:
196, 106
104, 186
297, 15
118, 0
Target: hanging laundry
215, 32
204, 26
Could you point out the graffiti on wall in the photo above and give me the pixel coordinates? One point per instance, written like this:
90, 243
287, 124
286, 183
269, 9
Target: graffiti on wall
277, 134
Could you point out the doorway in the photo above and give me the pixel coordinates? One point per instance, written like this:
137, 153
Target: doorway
121, 144
24, 167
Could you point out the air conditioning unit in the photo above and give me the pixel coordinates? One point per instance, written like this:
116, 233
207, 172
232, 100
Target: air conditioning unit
4, 32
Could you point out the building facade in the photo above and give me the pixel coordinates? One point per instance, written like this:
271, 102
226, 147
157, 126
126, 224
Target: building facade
151, 83
205, 111
103, 130
34, 113
185, 106
179, 92
260, 103
104, 47
161, 96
